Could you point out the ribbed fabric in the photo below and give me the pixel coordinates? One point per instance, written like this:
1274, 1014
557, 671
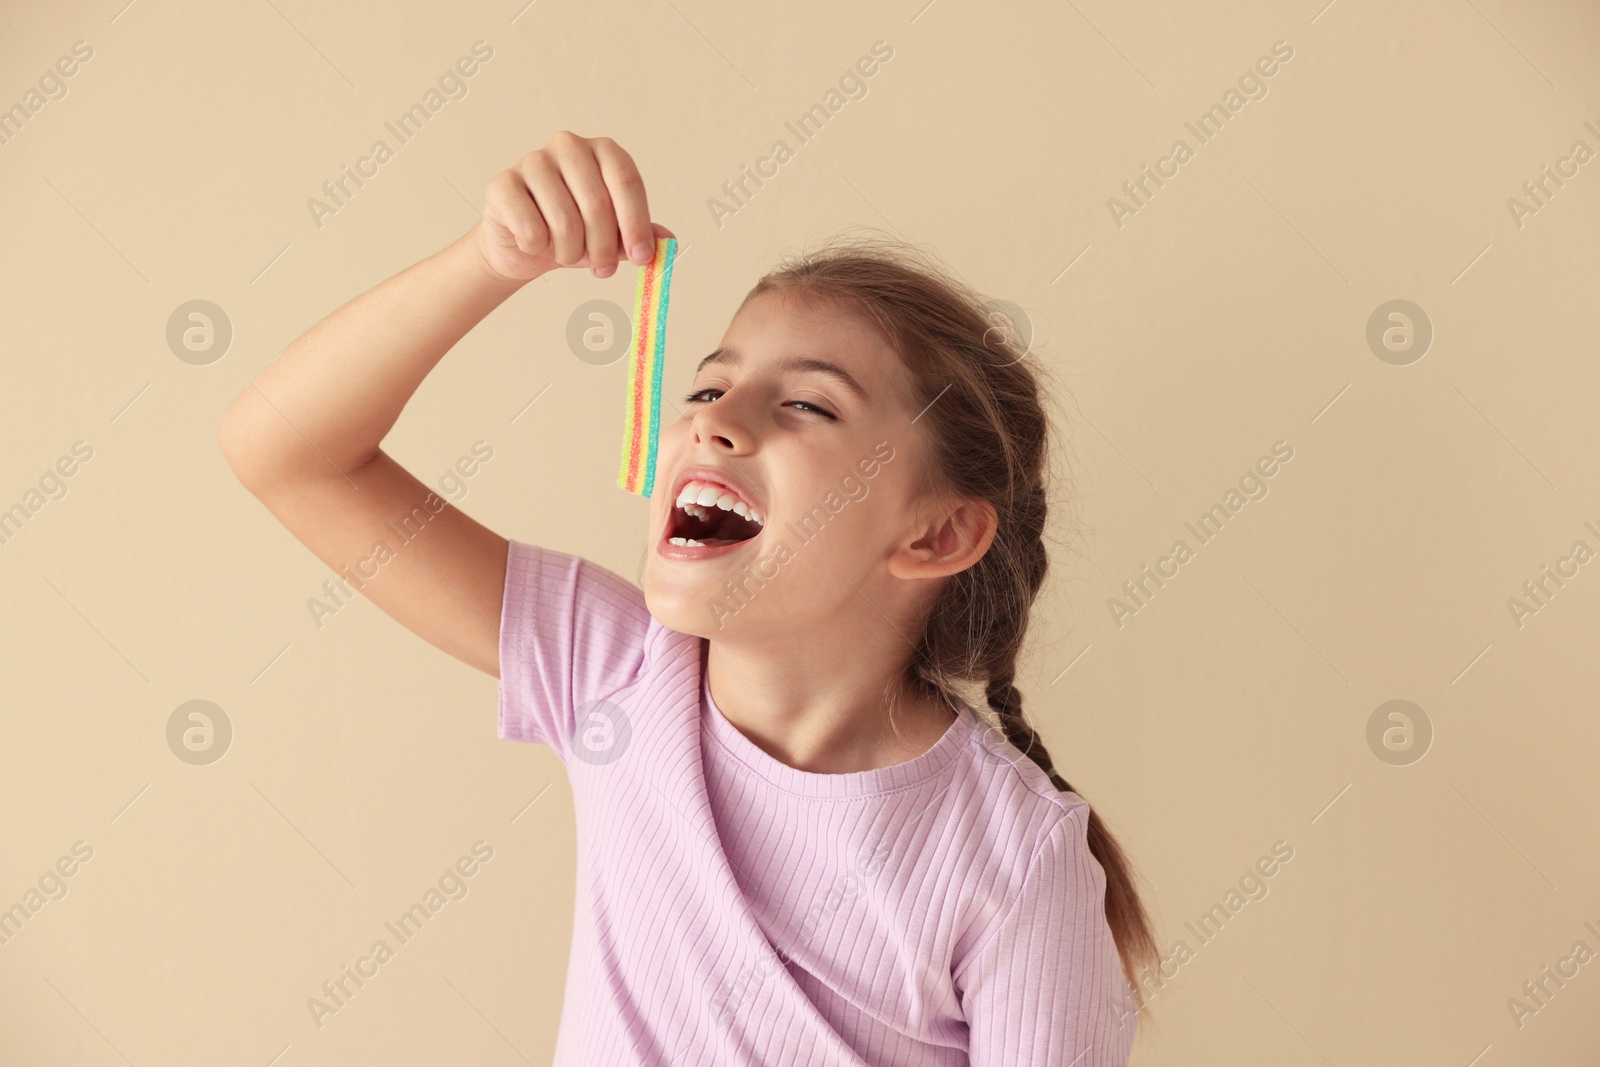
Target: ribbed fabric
732, 909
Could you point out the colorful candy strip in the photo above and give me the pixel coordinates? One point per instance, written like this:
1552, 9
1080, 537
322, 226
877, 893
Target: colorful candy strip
637, 473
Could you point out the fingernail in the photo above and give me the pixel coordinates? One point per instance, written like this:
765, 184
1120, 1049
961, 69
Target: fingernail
642, 253
604, 272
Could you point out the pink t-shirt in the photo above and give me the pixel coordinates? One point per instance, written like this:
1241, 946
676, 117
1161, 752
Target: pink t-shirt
732, 909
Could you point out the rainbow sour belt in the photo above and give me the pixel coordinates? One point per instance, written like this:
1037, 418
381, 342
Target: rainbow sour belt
637, 473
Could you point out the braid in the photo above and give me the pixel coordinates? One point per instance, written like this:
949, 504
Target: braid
1006, 701
1130, 926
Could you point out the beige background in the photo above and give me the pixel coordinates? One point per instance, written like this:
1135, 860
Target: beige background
1227, 314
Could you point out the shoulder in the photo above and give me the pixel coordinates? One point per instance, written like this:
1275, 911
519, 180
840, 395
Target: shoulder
548, 586
572, 633
536, 571
1050, 887
1031, 836
1010, 793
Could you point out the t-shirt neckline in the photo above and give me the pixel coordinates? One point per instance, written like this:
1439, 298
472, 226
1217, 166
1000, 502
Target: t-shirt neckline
811, 783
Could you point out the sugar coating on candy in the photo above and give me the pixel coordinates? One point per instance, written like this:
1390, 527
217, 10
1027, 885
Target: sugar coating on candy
642, 422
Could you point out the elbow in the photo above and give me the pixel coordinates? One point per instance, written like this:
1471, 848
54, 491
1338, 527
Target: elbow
240, 445
265, 450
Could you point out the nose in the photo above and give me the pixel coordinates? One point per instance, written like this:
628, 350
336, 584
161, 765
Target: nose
720, 424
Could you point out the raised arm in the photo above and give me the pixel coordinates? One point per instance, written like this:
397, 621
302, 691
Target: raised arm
304, 436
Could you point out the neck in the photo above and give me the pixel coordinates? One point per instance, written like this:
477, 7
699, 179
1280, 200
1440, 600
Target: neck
823, 709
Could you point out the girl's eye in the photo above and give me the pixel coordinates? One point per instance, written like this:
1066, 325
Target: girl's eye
813, 407
698, 397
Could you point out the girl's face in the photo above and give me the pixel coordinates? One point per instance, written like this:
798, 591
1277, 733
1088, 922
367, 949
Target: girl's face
794, 462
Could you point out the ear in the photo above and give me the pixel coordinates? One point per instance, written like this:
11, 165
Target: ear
958, 535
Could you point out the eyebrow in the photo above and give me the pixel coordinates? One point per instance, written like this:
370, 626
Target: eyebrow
802, 364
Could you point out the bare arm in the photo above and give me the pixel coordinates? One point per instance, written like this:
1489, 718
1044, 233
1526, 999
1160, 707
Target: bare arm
304, 436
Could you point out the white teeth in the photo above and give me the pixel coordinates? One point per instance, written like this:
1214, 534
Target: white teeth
686, 542
696, 497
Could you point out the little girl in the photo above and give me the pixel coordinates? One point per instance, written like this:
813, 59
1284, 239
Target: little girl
798, 840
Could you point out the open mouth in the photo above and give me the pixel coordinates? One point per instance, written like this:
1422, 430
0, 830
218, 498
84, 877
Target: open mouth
707, 515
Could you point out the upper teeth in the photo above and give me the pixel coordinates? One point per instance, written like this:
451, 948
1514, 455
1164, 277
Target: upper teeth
697, 496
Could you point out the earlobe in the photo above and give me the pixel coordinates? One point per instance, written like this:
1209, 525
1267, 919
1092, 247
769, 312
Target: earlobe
952, 542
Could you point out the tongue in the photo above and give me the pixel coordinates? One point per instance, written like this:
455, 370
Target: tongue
721, 535
722, 528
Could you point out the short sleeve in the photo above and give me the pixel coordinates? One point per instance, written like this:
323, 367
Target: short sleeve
1046, 986
571, 634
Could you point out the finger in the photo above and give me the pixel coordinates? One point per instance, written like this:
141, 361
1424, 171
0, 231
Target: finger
556, 206
581, 171
509, 206
628, 198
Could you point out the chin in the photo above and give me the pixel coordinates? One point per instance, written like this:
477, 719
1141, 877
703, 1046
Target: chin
676, 608
684, 602
702, 547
